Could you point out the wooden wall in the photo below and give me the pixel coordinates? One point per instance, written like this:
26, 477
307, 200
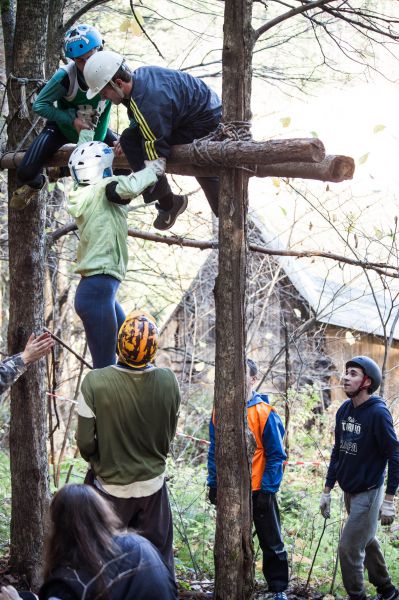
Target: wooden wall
341, 345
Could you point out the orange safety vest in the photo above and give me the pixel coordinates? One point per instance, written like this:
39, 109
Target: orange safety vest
257, 416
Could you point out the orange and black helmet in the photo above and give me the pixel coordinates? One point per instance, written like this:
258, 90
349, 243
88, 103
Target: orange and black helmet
138, 339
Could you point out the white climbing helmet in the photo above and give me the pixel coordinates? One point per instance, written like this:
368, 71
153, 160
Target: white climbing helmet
90, 162
100, 69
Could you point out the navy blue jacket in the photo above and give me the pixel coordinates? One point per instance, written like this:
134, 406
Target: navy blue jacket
169, 107
139, 573
365, 442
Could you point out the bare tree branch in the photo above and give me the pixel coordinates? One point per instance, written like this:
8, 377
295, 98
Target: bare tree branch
291, 13
144, 31
381, 268
82, 11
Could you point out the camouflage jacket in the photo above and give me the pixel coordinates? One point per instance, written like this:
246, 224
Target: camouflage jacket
10, 369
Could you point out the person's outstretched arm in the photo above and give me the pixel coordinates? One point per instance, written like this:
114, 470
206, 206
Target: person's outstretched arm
14, 366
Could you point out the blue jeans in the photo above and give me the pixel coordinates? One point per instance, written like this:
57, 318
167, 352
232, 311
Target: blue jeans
359, 548
102, 316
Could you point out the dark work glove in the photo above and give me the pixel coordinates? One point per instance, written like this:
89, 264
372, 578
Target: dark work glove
212, 493
264, 501
112, 194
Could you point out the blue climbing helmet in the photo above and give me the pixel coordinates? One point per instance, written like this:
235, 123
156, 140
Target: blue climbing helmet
370, 370
81, 39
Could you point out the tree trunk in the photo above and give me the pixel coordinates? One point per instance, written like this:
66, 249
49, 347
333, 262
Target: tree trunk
28, 455
8, 25
233, 544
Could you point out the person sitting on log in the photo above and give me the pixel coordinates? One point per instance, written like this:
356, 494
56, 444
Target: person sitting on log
14, 366
70, 115
165, 107
89, 556
98, 204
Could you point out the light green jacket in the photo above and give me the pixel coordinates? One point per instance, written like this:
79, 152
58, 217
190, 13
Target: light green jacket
102, 224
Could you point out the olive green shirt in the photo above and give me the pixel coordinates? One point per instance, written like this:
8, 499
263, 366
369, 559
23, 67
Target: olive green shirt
127, 420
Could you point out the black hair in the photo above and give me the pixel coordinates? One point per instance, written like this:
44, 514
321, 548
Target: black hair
123, 73
253, 367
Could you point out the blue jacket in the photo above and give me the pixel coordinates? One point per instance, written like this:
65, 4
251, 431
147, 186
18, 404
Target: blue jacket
269, 456
169, 107
365, 442
138, 573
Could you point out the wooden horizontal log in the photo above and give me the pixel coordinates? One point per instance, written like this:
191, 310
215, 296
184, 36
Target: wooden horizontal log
331, 168
235, 153
227, 154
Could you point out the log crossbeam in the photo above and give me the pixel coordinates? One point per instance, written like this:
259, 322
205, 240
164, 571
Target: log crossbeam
292, 158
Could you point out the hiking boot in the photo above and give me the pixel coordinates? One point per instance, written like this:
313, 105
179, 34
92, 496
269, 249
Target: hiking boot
22, 197
279, 596
167, 218
54, 174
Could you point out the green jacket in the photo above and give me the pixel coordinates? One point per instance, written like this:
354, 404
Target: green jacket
102, 224
127, 421
68, 103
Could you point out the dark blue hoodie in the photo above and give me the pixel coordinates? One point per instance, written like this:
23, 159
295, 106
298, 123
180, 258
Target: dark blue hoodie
365, 441
137, 573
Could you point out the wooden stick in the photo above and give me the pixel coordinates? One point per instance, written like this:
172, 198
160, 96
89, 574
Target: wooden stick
172, 240
59, 340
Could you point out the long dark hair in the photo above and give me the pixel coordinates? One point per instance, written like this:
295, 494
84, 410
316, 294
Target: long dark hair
81, 530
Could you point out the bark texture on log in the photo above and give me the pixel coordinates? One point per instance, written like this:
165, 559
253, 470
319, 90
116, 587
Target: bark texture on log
235, 153
233, 543
28, 452
217, 154
331, 168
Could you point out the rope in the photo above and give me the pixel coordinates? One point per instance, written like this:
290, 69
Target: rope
234, 131
22, 112
25, 80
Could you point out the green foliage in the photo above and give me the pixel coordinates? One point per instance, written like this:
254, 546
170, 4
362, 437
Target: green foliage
5, 502
310, 429
194, 516
194, 520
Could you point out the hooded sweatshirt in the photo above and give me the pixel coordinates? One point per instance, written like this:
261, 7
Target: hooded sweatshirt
137, 573
365, 442
102, 224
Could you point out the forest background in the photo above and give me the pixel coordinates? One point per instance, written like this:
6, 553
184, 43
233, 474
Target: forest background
304, 85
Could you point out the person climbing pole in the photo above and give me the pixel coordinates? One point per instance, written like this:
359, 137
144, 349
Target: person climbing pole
70, 115
99, 205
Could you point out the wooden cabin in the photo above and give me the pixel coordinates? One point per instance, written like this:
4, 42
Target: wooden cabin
302, 327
